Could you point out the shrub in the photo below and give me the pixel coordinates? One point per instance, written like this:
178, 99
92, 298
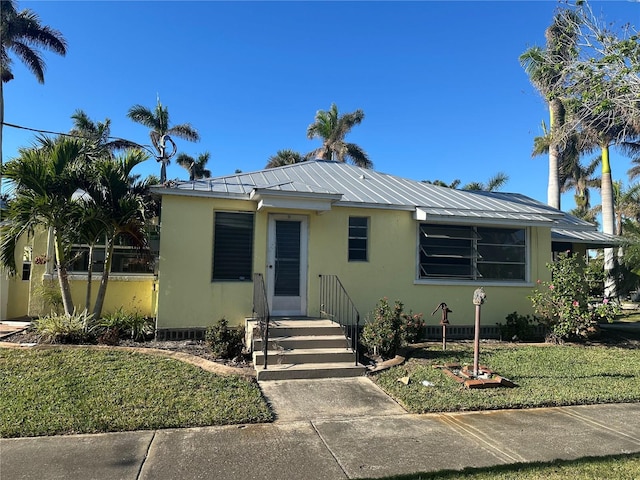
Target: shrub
518, 327
412, 328
122, 324
63, 328
562, 305
391, 328
224, 341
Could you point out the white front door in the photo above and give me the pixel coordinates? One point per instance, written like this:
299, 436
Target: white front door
287, 265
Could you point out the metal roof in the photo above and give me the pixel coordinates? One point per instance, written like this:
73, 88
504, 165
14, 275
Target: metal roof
361, 187
593, 238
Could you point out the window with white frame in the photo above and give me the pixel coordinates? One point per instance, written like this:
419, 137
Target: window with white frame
472, 253
358, 239
233, 246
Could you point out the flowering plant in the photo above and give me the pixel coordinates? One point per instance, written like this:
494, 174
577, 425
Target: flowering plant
562, 304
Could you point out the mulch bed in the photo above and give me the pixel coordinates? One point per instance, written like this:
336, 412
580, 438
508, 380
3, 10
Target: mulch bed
181, 348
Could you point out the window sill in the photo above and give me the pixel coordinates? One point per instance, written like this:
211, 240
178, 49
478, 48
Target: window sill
476, 283
118, 277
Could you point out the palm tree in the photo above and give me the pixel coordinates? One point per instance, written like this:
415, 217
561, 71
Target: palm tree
122, 207
332, 129
98, 133
284, 157
493, 184
196, 168
634, 171
158, 121
547, 71
45, 179
578, 177
22, 35
440, 183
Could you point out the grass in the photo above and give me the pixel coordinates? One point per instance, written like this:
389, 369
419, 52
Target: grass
620, 467
547, 375
69, 391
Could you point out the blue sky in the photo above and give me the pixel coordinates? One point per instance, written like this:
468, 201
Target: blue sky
443, 92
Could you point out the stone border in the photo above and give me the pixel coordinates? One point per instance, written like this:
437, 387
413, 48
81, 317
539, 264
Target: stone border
204, 364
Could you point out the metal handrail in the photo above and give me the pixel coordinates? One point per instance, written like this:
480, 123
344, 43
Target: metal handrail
261, 312
336, 305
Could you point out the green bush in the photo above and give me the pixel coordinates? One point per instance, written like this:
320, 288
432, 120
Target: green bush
518, 327
122, 324
224, 341
563, 305
391, 328
63, 328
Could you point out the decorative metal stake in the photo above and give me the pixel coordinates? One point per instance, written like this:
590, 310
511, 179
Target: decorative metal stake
478, 299
444, 321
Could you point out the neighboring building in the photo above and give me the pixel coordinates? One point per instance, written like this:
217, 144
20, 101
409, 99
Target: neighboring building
383, 236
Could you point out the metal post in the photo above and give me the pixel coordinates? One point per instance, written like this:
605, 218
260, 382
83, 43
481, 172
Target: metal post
478, 300
476, 343
444, 321
444, 336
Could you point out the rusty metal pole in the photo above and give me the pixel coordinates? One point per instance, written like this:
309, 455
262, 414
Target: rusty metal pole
444, 321
444, 336
478, 300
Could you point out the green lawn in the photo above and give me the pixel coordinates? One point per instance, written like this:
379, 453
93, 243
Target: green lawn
619, 467
66, 391
546, 375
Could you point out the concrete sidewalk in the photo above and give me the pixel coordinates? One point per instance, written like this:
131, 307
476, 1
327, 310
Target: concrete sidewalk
330, 430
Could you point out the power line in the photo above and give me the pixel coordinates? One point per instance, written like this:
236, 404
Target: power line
73, 135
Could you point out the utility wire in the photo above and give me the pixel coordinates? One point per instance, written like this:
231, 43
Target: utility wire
73, 135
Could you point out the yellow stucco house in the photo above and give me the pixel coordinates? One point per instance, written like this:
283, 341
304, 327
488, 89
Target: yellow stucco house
381, 235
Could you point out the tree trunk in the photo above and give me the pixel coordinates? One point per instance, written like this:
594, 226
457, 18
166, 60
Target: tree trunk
1, 127
555, 121
102, 289
87, 303
608, 221
63, 277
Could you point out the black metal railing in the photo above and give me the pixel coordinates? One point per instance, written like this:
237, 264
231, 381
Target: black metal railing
261, 312
336, 305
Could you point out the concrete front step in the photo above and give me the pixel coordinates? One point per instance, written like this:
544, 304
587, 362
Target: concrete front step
305, 356
303, 341
307, 371
286, 327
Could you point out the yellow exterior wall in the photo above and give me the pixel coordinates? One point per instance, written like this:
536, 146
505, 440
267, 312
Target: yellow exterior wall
133, 293
188, 297
18, 289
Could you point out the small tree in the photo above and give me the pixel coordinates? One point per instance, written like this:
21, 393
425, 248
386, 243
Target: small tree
563, 305
391, 329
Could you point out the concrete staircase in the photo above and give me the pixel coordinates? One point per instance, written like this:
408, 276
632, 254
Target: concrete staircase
305, 348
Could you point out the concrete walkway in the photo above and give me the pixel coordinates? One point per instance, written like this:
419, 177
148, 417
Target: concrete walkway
330, 429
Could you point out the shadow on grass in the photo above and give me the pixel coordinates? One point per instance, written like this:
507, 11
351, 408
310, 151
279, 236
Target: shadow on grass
519, 469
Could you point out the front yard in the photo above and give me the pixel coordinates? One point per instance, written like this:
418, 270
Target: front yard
82, 390
546, 375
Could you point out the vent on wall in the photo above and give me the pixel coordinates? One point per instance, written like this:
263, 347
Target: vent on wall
168, 334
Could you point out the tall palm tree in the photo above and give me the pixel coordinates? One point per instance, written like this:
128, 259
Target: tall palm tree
45, 179
195, 167
22, 35
332, 129
284, 157
547, 71
157, 121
